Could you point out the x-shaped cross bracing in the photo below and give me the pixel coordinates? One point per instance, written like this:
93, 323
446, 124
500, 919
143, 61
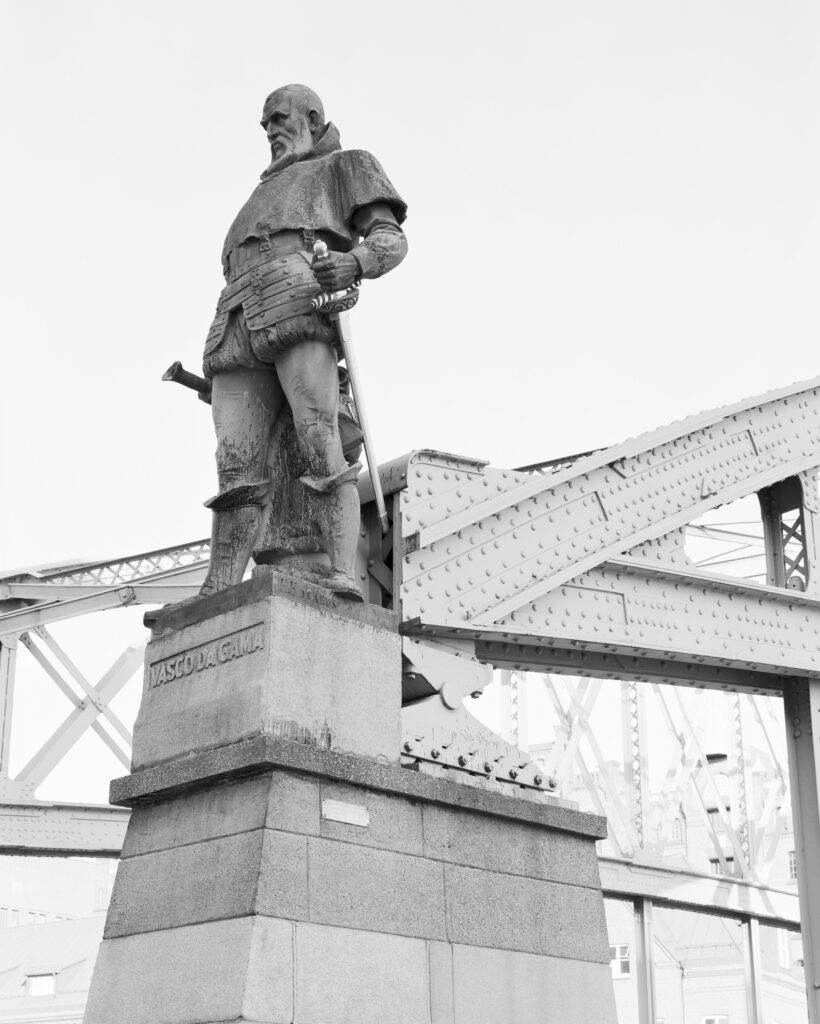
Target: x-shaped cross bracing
91, 710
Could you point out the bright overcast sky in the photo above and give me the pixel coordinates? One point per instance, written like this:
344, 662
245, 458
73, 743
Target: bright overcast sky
613, 223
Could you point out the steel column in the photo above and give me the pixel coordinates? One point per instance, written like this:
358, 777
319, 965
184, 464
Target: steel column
754, 976
8, 658
802, 697
645, 968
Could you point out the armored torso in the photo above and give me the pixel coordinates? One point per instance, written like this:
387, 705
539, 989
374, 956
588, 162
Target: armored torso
266, 304
320, 192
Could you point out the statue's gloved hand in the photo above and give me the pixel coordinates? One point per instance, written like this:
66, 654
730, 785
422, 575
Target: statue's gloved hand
336, 271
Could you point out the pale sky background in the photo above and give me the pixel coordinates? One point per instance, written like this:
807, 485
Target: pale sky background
614, 222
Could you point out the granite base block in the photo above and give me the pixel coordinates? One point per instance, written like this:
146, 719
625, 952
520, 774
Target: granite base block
308, 898
280, 867
271, 657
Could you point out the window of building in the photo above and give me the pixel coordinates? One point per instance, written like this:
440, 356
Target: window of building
9, 917
792, 866
721, 1018
717, 867
41, 984
619, 961
677, 830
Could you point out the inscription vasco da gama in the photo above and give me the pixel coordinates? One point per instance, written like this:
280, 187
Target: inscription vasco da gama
209, 655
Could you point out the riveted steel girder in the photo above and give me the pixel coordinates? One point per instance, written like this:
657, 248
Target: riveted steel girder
62, 829
481, 545
634, 620
588, 558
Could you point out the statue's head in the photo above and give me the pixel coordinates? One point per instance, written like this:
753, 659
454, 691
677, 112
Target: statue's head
293, 119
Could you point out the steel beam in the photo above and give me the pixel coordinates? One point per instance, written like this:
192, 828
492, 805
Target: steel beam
89, 690
54, 829
95, 599
803, 739
132, 568
666, 613
708, 894
84, 716
482, 545
622, 664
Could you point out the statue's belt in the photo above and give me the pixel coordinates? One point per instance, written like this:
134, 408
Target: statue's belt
269, 289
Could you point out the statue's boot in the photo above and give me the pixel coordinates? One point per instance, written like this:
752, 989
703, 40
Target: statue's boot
339, 523
237, 517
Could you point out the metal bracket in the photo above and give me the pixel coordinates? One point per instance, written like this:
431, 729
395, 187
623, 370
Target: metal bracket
439, 733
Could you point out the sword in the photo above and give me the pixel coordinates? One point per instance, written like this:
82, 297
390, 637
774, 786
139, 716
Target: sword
336, 305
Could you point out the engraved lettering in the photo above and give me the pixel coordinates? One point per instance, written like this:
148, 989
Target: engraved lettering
205, 656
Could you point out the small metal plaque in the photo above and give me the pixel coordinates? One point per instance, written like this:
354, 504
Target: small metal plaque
350, 814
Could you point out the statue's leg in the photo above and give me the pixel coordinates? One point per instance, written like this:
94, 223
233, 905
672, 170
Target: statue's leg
309, 375
245, 404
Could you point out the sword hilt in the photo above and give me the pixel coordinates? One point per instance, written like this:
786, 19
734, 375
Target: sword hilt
332, 303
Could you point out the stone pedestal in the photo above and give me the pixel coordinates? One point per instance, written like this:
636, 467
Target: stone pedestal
281, 868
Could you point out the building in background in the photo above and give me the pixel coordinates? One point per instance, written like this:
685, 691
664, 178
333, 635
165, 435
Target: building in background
45, 970
52, 912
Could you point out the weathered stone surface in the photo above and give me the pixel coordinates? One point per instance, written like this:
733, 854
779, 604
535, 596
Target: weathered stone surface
282, 888
220, 971
359, 887
267, 752
279, 667
516, 848
176, 617
258, 871
494, 986
268, 995
360, 977
533, 916
294, 804
425, 873
442, 996
237, 805
395, 821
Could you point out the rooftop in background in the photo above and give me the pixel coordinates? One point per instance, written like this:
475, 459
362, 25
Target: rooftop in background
45, 970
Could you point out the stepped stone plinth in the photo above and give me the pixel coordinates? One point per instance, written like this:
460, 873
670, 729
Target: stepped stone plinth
280, 867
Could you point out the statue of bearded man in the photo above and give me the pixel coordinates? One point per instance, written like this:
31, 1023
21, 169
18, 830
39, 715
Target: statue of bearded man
269, 353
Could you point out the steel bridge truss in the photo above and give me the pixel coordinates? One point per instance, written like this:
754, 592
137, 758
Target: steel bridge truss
30, 601
578, 567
